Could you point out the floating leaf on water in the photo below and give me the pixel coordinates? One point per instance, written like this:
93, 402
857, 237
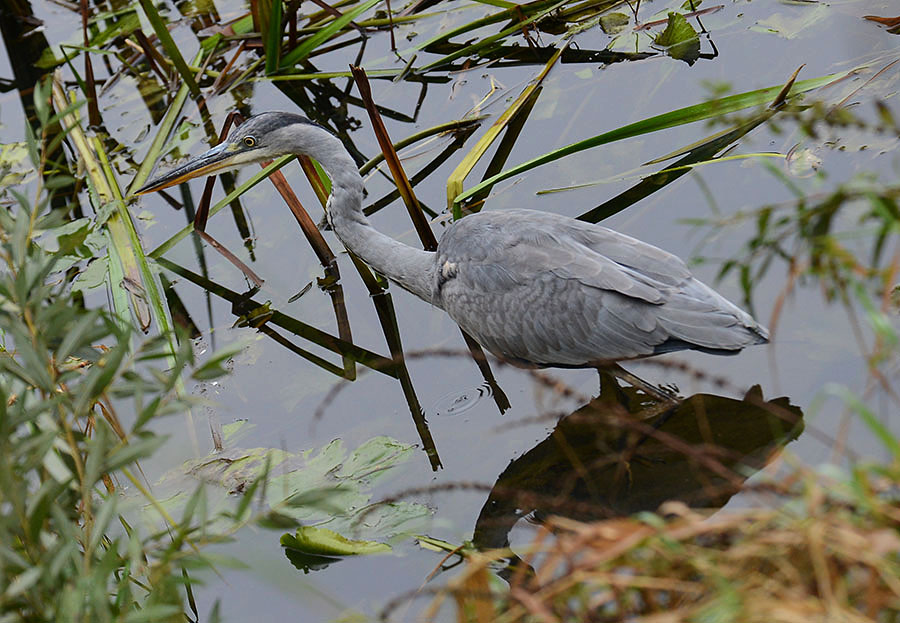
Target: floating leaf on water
92, 276
325, 542
14, 165
803, 162
614, 23
789, 26
678, 30
324, 486
680, 39
235, 430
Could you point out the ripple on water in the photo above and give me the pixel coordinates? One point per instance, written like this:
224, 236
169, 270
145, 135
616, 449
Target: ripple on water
458, 402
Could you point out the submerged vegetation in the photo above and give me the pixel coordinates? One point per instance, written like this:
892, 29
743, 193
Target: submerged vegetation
99, 325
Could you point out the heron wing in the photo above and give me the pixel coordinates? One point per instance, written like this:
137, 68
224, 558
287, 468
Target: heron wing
544, 289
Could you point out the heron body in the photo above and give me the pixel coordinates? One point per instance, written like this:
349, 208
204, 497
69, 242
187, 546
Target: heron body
533, 288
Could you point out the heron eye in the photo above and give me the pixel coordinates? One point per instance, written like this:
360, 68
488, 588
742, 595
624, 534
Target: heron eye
249, 141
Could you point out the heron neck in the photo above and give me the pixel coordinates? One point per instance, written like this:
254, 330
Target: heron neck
411, 268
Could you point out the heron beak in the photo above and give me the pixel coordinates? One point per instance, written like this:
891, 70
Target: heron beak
219, 158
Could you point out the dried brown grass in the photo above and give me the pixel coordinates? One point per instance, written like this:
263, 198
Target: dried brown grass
830, 553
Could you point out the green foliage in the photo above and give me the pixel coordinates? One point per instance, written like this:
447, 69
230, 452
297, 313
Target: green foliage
838, 238
65, 373
325, 542
67, 550
324, 34
680, 38
713, 109
325, 487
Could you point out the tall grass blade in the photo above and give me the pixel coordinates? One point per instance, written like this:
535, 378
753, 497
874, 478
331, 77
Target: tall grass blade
137, 276
123, 259
699, 152
324, 34
270, 14
682, 116
456, 179
485, 42
168, 44
513, 12
429, 242
156, 146
449, 126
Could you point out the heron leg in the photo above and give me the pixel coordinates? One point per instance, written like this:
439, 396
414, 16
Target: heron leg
659, 393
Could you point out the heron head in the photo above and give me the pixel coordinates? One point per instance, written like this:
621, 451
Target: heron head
262, 137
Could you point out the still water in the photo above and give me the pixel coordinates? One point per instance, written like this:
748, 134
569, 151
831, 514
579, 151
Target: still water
290, 403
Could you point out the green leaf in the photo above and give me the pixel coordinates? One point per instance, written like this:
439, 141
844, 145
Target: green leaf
272, 36
325, 542
72, 236
168, 44
681, 116
680, 39
92, 276
614, 23
23, 582
678, 30
324, 34
324, 486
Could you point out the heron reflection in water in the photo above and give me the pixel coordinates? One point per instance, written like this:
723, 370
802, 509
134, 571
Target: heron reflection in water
535, 289
624, 453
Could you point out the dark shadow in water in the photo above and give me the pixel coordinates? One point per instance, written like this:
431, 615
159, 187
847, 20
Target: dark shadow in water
623, 453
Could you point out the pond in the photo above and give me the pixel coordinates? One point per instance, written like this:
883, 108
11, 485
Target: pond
434, 444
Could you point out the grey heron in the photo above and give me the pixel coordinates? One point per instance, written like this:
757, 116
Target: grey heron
533, 288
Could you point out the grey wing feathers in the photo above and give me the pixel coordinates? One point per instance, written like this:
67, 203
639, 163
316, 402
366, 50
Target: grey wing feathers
543, 289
